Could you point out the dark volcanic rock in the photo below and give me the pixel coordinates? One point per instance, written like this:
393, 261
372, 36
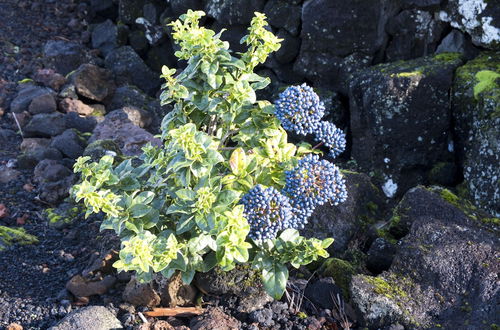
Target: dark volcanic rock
82, 124
90, 318
106, 36
289, 47
282, 14
63, 56
444, 273
230, 12
82, 287
475, 107
400, 118
214, 318
25, 96
180, 7
44, 103
119, 128
457, 42
320, 292
334, 29
45, 125
380, 255
93, 82
141, 294
130, 10
69, 143
54, 180
414, 33
363, 205
129, 68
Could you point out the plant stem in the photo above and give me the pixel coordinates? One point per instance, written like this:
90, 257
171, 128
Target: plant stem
318, 145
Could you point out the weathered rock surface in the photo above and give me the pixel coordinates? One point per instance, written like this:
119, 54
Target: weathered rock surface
90, 318
475, 107
93, 82
400, 119
333, 31
69, 143
119, 128
54, 180
363, 206
64, 56
444, 274
106, 36
45, 125
283, 14
241, 282
129, 68
479, 18
141, 294
82, 287
44, 103
214, 318
25, 96
231, 12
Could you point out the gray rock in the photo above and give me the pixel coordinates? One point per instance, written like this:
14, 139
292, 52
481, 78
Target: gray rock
93, 82
282, 14
457, 42
45, 125
415, 33
480, 19
154, 33
477, 128
7, 135
230, 12
63, 56
214, 318
50, 78
129, 137
426, 4
69, 105
363, 205
82, 287
30, 144
289, 49
101, 5
44, 103
321, 291
160, 55
106, 36
129, 68
24, 97
136, 116
130, 10
241, 282
97, 149
30, 159
89, 318
82, 124
180, 7
69, 143
141, 294
54, 180
380, 255
334, 29
400, 120
444, 273
138, 41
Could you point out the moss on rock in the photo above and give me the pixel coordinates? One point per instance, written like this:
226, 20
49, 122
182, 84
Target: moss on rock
341, 271
9, 236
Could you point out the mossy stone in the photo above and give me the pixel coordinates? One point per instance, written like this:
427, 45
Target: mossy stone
341, 271
9, 236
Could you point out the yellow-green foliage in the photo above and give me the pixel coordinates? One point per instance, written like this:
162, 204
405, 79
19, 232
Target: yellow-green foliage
9, 236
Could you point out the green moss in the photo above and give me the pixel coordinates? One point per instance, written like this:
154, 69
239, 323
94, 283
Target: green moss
388, 288
494, 327
9, 236
341, 271
448, 57
372, 207
385, 234
487, 80
407, 74
62, 216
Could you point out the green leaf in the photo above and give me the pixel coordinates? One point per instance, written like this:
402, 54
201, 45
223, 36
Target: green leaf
186, 194
237, 161
187, 276
139, 210
144, 197
274, 280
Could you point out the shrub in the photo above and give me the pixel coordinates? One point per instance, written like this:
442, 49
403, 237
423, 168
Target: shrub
227, 187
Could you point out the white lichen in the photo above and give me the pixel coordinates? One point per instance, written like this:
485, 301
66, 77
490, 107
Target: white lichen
389, 188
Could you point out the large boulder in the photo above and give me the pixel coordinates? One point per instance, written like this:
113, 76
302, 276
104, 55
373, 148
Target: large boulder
475, 107
130, 10
70, 143
335, 29
479, 18
129, 68
444, 274
106, 36
118, 127
54, 180
230, 12
363, 206
90, 318
283, 14
400, 119
414, 33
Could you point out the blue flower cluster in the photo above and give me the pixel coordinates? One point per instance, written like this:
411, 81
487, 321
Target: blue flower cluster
300, 110
313, 182
267, 212
332, 137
